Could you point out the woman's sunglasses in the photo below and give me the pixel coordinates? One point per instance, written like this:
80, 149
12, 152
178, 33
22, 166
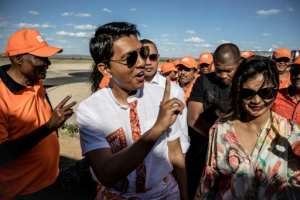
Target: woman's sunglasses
264, 93
132, 57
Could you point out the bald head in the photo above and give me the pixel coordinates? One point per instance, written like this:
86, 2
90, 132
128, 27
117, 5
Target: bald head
226, 54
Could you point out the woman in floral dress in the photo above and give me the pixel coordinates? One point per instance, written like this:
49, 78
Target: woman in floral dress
253, 153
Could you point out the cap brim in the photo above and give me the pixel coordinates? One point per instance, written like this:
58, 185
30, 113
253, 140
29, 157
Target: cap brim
46, 51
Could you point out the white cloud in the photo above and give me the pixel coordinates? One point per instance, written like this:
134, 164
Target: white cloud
224, 41
206, 45
106, 10
190, 32
69, 14
85, 27
132, 9
266, 34
83, 15
291, 9
268, 12
170, 43
275, 46
75, 34
145, 25
194, 40
28, 25
33, 12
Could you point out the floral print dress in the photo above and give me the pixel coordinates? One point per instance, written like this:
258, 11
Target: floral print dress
269, 172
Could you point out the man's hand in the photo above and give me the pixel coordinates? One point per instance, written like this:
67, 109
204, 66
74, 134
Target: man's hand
61, 113
169, 109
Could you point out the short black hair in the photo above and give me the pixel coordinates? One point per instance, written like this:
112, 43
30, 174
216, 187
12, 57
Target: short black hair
147, 41
227, 52
249, 68
101, 45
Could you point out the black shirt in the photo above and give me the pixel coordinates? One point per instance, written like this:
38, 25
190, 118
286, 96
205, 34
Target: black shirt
213, 94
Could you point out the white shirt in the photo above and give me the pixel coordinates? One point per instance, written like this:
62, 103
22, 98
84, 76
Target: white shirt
176, 91
101, 115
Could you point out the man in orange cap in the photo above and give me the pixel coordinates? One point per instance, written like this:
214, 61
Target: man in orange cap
205, 63
282, 57
168, 69
287, 100
29, 151
247, 54
187, 74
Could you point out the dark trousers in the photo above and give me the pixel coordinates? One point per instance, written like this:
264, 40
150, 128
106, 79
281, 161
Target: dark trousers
195, 160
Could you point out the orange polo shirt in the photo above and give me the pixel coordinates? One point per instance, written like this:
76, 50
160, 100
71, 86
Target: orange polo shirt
188, 88
22, 110
284, 83
287, 107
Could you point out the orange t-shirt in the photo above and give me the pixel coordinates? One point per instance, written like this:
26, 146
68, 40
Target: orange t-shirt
188, 88
284, 83
104, 83
286, 106
23, 110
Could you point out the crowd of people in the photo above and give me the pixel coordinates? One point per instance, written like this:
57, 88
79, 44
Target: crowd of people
224, 126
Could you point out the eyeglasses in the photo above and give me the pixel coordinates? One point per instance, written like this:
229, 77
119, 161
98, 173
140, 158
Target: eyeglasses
282, 60
264, 93
204, 65
153, 57
132, 57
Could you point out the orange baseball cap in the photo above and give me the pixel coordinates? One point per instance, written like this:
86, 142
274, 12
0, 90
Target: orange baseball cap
282, 53
29, 41
247, 54
297, 61
188, 61
168, 67
206, 58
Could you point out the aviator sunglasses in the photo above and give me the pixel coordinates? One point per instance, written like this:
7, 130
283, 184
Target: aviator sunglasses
132, 57
264, 93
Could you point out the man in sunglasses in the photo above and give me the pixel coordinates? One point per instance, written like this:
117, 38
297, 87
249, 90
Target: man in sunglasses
205, 63
282, 57
187, 74
152, 76
210, 99
287, 100
129, 131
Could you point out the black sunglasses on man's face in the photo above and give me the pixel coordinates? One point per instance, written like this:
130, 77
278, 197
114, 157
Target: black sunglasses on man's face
132, 57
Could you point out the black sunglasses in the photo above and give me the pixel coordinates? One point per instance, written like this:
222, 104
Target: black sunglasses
153, 57
285, 60
204, 65
132, 57
264, 93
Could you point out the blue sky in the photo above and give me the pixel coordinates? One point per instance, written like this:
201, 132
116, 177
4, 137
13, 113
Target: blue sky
179, 27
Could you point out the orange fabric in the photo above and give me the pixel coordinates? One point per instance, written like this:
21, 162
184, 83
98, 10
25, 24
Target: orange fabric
136, 134
29, 41
282, 53
297, 61
168, 67
188, 88
284, 83
286, 106
104, 83
205, 58
247, 54
188, 61
21, 113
